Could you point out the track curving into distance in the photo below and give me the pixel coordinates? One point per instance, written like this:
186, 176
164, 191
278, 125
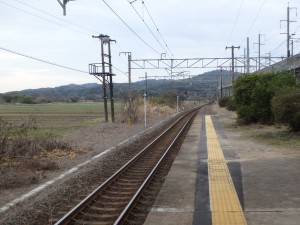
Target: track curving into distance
113, 201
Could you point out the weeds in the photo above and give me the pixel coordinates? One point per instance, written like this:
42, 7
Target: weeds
22, 154
280, 138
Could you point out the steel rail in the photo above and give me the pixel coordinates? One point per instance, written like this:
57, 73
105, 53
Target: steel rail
70, 216
134, 199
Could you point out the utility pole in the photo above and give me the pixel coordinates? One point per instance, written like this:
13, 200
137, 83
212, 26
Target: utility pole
269, 58
259, 48
288, 21
99, 69
245, 56
221, 81
129, 86
232, 62
129, 67
111, 86
63, 4
259, 44
248, 56
145, 100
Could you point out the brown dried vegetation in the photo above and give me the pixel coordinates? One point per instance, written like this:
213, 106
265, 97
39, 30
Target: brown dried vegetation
23, 157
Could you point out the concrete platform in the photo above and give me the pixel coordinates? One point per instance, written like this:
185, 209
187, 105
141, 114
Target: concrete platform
265, 178
175, 203
199, 188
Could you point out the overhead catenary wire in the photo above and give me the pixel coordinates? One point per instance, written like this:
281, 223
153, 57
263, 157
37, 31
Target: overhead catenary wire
161, 36
119, 17
147, 26
131, 29
252, 23
235, 22
157, 28
165, 50
256, 16
272, 51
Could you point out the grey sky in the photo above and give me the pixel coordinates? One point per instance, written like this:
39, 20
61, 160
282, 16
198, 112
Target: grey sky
191, 28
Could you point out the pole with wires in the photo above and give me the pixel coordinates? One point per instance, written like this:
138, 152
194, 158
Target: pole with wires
288, 21
145, 100
100, 69
232, 63
111, 86
130, 116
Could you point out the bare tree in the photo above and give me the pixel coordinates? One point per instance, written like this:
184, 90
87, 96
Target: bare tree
131, 103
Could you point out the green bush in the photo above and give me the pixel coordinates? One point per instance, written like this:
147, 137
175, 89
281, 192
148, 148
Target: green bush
224, 100
286, 107
253, 94
230, 105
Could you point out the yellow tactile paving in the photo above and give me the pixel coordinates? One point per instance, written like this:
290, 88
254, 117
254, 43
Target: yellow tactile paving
224, 202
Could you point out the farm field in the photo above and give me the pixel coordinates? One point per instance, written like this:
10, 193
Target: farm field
55, 119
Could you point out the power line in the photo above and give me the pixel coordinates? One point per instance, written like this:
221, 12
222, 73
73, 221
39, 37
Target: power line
166, 52
253, 22
71, 23
40, 17
120, 70
147, 26
130, 27
235, 22
261, 6
42, 60
158, 31
278, 46
50, 22
157, 28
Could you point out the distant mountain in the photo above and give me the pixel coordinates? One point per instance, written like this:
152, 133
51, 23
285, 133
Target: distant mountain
202, 85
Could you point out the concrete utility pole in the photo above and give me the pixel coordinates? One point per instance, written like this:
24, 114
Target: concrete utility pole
221, 83
248, 56
288, 21
232, 62
259, 44
63, 4
111, 86
99, 69
145, 100
103, 77
129, 86
129, 67
259, 49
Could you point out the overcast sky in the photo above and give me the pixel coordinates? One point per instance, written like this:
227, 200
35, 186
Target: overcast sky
190, 28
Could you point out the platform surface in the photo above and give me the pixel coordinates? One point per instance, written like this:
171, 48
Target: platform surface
199, 188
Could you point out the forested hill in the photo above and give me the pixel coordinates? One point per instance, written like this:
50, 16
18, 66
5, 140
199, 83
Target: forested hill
201, 85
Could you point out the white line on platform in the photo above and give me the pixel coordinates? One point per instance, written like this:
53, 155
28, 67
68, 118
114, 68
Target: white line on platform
172, 210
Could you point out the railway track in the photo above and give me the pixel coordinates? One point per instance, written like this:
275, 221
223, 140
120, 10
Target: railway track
115, 200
